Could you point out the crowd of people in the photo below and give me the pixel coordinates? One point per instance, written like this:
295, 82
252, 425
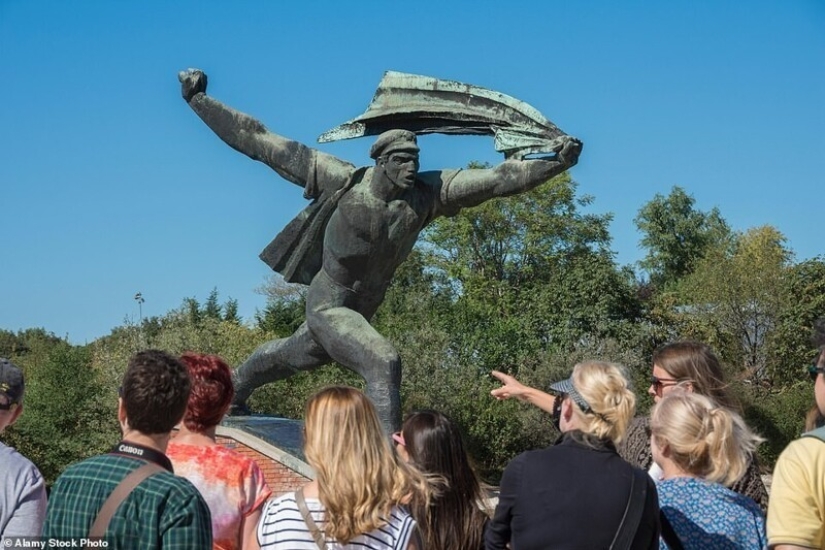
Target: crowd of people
684, 477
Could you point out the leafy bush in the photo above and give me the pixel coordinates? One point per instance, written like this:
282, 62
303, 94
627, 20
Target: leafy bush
69, 415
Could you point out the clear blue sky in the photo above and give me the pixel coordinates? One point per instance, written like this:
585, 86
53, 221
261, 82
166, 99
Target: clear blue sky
110, 185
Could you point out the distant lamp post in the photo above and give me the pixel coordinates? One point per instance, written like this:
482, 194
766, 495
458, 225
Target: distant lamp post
139, 299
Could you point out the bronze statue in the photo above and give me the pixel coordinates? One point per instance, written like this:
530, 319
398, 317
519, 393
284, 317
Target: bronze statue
361, 225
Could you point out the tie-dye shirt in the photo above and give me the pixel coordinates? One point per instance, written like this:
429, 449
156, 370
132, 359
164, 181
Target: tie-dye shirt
231, 483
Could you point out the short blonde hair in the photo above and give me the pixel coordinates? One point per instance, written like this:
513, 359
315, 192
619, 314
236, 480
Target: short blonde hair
359, 478
704, 438
606, 390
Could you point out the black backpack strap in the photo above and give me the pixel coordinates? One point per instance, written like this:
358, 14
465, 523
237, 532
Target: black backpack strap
633, 511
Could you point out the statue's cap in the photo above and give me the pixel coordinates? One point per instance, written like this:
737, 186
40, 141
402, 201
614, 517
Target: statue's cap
394, 140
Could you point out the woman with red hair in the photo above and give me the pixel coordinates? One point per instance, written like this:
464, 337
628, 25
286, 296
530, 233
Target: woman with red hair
231, 483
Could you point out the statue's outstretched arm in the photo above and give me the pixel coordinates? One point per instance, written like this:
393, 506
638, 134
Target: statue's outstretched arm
473, 187
294, 161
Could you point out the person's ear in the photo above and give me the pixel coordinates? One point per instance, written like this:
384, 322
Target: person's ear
567, 409
18, 410
121, 414
664, 448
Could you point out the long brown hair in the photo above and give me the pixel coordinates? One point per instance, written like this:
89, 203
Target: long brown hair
453, 520
695, 362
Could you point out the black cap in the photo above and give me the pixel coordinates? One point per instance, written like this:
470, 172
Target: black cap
11, 383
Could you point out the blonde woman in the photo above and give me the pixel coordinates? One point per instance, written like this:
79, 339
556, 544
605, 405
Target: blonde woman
579, 493
356, 499
701, 447
694, 367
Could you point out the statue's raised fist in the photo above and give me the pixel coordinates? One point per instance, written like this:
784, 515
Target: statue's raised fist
193, 81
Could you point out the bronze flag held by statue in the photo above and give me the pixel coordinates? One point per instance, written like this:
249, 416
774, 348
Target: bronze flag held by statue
427, 105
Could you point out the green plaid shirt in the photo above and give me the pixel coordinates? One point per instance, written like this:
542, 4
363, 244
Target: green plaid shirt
163, 512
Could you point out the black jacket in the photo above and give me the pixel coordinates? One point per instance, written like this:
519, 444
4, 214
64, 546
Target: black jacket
569, 496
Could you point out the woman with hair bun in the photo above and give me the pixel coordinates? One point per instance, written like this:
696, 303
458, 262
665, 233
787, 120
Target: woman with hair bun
453, 519
701, 447
579, 493
231, 483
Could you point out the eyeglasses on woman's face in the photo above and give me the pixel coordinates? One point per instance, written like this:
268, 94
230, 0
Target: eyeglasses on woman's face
658, 383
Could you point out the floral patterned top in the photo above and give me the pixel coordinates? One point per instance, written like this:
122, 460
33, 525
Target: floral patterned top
709, 515
231, 484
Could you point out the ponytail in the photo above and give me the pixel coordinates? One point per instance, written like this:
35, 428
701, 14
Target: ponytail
705, 439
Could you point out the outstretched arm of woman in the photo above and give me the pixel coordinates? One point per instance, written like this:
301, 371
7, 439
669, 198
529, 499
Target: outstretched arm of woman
249, 530
512, 388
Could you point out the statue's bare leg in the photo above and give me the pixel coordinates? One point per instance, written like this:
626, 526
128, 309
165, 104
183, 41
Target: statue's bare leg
276, 360
349, 339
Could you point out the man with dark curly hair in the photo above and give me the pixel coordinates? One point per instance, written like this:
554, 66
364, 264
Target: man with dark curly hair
162, 510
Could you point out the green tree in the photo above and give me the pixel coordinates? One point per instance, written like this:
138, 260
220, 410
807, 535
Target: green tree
212, 309
69, 415
531, 273
677, 235
230, 311
516, 239
735, 297
28, 347
285, 308
800, 324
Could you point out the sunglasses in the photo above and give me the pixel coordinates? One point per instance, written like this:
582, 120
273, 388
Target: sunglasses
815, 371
659, 383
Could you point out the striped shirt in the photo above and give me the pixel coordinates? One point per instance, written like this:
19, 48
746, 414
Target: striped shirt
163, 512
283, 528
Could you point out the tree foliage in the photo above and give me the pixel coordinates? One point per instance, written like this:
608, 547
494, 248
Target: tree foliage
68, 414
801, 323
677, 235
739, 291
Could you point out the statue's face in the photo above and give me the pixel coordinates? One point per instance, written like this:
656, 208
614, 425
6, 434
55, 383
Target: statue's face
401, 168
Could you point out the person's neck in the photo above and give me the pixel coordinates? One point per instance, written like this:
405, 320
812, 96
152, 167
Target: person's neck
671, 471
311, 489
157, 442
205, 438
382, 188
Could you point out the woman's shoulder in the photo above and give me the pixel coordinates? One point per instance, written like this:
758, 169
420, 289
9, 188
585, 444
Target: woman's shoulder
752, 486
635, 446
213, 461
708, 499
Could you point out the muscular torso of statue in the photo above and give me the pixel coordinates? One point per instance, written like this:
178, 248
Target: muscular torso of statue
367, 238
